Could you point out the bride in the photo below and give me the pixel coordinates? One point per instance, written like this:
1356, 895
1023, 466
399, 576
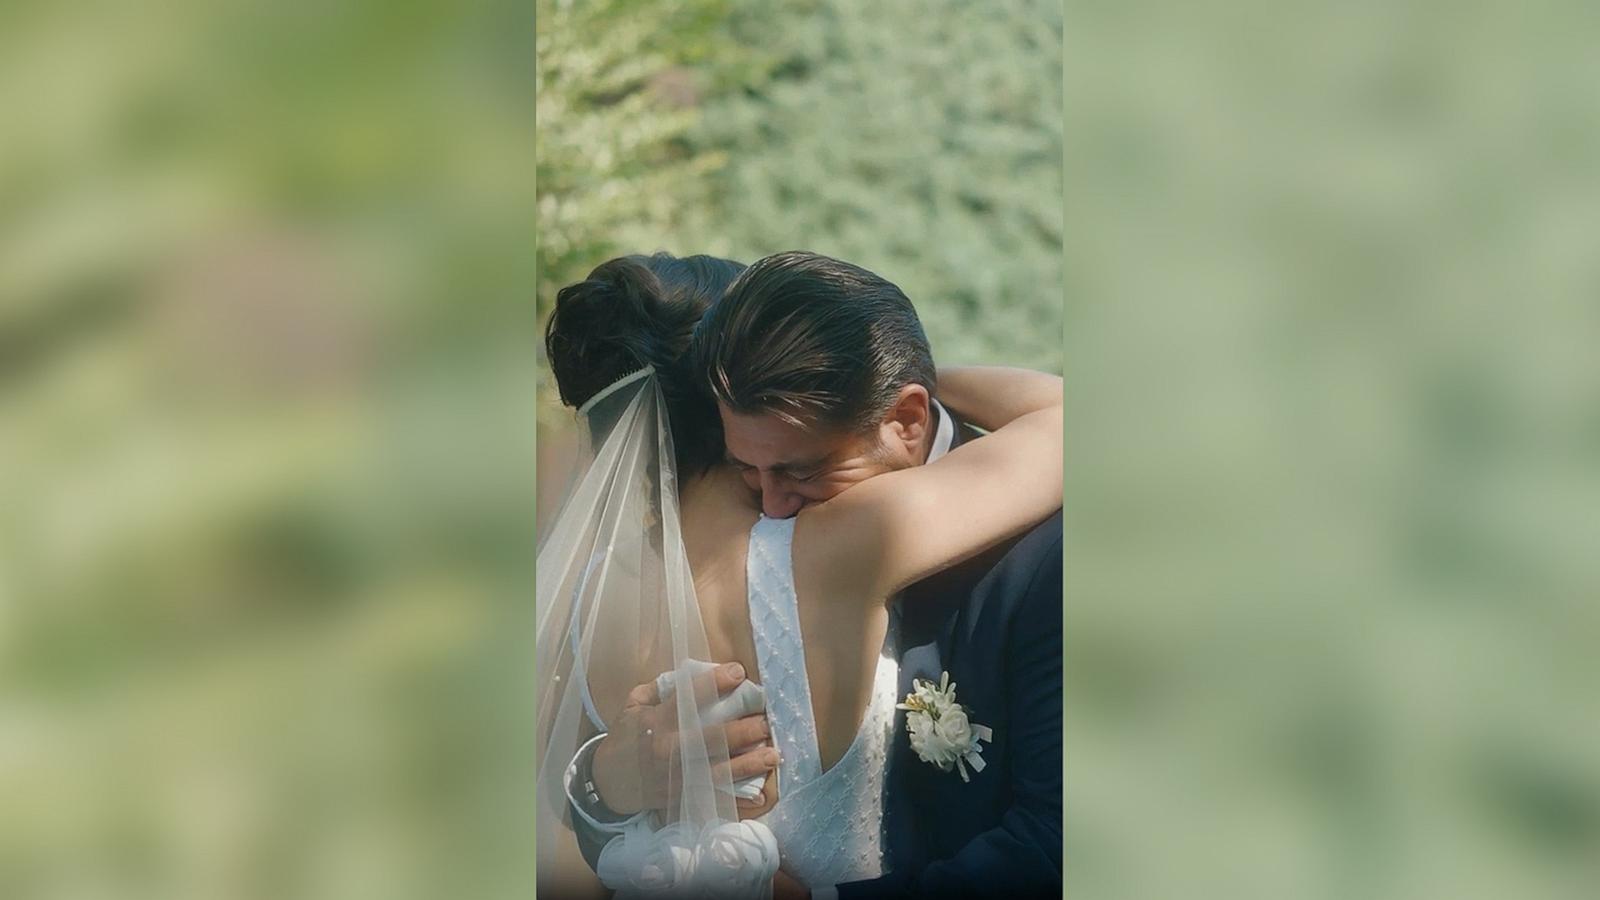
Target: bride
660, 559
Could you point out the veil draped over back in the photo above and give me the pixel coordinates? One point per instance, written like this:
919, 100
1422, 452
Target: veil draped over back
617, 608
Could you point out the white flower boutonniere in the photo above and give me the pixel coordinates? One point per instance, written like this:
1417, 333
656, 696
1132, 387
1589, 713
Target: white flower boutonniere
940, 731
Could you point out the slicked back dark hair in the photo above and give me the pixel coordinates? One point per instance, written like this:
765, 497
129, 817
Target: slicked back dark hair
813, 340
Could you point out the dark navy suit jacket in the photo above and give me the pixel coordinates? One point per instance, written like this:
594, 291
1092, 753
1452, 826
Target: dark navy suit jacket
993, 623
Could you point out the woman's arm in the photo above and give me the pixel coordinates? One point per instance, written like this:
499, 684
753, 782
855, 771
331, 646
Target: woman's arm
991, 396
900, 527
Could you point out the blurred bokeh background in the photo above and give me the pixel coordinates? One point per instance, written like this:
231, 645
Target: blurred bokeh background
266, 443
268, 365
920, 140
1333, 574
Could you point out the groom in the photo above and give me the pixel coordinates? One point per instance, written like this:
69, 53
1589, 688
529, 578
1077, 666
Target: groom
802, 338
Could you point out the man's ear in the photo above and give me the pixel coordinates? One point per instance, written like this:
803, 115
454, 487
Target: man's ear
909, 420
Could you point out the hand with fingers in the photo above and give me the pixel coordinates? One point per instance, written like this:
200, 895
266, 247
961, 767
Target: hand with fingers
635, 763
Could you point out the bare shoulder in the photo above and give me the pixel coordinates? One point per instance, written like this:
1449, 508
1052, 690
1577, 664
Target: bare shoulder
836, 546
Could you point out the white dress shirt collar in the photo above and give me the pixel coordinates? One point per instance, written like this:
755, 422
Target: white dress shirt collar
944, 433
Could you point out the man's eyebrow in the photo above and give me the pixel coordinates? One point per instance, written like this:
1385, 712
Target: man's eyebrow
804, 465
780, 467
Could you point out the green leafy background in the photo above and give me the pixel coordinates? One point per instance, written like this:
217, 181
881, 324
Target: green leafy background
922, 141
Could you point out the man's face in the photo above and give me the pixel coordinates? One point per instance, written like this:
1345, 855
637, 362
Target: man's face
794, 466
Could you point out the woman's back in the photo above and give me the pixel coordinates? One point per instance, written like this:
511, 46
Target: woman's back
842, 636
830, 691
716, 520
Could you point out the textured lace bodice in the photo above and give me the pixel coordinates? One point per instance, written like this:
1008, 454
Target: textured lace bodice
829, 825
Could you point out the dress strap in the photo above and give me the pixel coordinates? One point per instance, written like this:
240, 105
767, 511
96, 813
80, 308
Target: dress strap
780, 652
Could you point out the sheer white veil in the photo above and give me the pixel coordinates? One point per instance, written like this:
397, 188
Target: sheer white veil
617, 608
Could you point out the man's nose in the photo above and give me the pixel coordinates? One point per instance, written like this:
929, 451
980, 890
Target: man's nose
777, 501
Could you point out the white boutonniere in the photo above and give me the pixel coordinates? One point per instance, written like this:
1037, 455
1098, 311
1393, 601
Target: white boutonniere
940, 731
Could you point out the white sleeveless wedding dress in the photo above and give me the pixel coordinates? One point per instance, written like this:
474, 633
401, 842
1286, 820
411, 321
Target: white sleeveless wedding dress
829, 825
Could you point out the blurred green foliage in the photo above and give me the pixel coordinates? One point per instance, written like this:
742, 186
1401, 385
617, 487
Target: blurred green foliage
619, 90
1334, 457
922, 141
266, 368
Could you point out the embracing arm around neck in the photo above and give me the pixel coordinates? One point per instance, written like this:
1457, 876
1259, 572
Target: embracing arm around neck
992, 396
897, 528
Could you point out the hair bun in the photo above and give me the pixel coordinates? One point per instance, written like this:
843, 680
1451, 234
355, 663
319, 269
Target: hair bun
616, 321
621, 295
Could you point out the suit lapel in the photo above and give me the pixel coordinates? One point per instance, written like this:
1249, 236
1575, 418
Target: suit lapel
924, 624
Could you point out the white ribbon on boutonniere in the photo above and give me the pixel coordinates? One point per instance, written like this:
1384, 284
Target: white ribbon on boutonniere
941, 732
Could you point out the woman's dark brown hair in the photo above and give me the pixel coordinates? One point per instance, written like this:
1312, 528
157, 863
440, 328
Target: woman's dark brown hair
637, 311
